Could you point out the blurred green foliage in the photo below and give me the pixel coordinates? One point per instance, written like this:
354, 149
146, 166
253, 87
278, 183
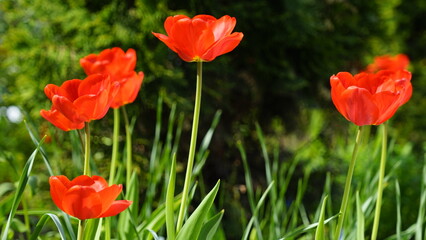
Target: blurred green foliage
279, 76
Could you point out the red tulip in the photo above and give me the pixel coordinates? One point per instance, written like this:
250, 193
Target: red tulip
86, 197
370, 98
201, 38
77, 101
386, 62
120, 66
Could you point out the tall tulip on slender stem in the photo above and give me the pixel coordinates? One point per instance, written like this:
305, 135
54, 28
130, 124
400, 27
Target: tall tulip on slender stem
368, 99
198, 39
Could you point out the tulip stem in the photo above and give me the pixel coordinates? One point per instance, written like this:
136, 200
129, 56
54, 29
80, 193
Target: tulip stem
86, 170
192, 146
380, 185
80, 230
128, 147
347, 190
114, 146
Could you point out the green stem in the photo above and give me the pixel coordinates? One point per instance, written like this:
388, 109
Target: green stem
80, 230
26, 218
107, 228
114, 146
128, 147
380, 187
86, 170
192, 146
347, 190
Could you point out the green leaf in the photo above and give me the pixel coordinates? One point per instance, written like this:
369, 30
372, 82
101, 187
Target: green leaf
255, 212
43, 221
170, 220
20, 190
43, 153
303, 229
320, 233
192, 227
210, 227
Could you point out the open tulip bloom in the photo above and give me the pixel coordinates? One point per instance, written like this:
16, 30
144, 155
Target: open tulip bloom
201, 38
370, 98
86, 197
120, 66
78, 101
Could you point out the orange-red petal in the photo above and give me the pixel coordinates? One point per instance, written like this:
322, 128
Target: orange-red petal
82, 202
58, 188
359, 106
108, 196
59, 120
116, 208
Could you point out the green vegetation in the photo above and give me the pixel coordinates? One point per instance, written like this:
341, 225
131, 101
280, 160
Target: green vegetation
268, 129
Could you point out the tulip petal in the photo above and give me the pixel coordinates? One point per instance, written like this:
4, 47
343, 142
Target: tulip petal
99, 183
359, 106
116, 208
50, 90
94, 84
336, 90
67, 108
92, 107
108, 196
170, 21
223, 27
223, 46
58, 188
59, 120
82, 202
82, 180
128, 90
387, 104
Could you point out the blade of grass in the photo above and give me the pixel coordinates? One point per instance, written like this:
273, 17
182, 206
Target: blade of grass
422, 208
320, 232
303, 229
42, 222
210, 227
170, 220
398, 209
20, 190
193, 225
36, 143
255, 212
249, 185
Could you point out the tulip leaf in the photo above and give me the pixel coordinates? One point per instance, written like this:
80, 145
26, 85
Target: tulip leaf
170, 222
255, 212
303, 229
20, 190
320, 234
154, 234
210, 227
43, 221
43, 153
192, 227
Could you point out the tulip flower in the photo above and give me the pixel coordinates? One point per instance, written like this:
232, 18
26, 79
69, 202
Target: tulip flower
86, 197
370, 98
120, 66
77, 101
201, 38
386, 62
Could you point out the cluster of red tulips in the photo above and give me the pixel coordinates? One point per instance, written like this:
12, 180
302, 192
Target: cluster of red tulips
368, 98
